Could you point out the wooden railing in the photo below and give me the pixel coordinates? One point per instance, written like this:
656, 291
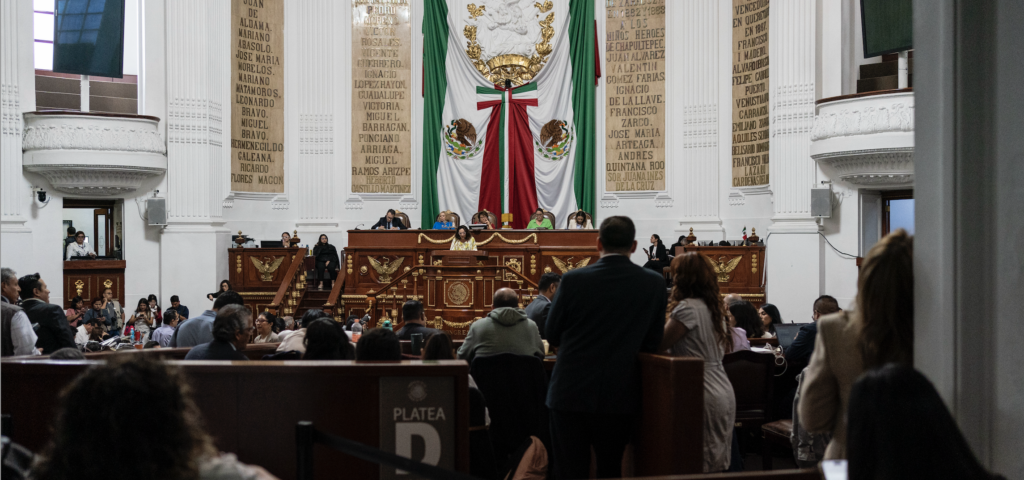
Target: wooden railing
333, 306
290, 292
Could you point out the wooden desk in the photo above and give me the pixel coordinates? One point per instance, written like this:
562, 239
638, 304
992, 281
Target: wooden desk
88, 279
258, 281
385, 268
740, 269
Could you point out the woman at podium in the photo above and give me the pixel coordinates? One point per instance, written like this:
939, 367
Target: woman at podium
463, 240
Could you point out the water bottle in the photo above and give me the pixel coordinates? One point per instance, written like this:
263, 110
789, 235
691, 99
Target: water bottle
357, 331
131, 331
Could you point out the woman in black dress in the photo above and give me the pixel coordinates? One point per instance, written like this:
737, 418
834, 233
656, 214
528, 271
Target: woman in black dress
326, 261
657, 256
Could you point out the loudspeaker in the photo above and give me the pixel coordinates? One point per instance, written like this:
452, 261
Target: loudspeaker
156, 211
821, 202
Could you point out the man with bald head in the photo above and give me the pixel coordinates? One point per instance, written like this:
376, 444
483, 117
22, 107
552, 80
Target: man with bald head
505, 330
732, 299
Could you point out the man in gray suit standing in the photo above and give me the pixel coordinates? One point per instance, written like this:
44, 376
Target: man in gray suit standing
538, 309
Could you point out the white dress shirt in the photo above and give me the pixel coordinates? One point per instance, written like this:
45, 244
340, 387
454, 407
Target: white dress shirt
22, 335
76, 250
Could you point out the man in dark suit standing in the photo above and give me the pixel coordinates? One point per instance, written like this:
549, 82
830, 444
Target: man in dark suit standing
539, 308
231, 331
602, 316
389, 222
54, 331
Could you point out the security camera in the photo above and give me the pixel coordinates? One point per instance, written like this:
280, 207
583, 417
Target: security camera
41, 194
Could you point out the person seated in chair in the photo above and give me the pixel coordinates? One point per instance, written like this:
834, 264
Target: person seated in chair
78, 248
483, 217
505, 330
442, 222
389, 222
539, 221
327, 262
378, 344
412, 314
581, 222
230, 336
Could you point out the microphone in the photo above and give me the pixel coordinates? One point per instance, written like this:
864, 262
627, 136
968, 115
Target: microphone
360, 225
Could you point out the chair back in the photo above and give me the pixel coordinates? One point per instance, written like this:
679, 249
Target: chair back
453, 217
572, 219
492, 217
752, 376
405, 218
481, 452
550, 216
514, 387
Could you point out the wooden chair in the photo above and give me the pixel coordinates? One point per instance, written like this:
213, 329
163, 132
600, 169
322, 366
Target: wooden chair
777, 432
452, 217
550, 216
572, 219
492, 217
404, 217
752, 376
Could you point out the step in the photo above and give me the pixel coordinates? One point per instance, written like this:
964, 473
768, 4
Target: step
884, 69
882, 83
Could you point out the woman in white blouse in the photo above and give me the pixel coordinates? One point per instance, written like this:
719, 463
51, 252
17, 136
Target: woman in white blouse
463, 240
78, 248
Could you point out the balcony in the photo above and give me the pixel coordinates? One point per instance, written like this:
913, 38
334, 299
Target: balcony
93, 154
867, 138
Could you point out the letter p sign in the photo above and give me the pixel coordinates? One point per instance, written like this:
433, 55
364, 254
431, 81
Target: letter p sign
404, 431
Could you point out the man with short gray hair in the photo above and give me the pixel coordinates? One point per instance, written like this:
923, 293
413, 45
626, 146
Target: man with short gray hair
231, 331
505, 330
9, 285
18, 337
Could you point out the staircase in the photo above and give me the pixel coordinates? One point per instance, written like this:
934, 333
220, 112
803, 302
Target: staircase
311, 298
885, 75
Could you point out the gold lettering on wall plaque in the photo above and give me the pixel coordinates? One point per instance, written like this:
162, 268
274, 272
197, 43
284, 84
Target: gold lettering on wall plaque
257, 96
635, 96
381, 96
750, 93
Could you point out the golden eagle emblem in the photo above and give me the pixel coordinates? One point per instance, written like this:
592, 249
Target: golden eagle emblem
386, 268
567, 265
267, 267
722, 267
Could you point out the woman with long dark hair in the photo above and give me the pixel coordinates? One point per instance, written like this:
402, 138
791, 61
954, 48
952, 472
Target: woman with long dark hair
224, 286
154, 310
267, 329
747, 319
76, 312
878, 331
142, 319
900, 428
696, 327
326, 257
770, 317
657, 256
463, 240
326, 340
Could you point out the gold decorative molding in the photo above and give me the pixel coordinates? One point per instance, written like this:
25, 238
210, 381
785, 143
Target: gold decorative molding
423, 237
79, 286
386, 268
267, 267
108, 283
239, 259
568, 265
460, 292
515, 68
722, 267
509, 241
513, 262
257, 294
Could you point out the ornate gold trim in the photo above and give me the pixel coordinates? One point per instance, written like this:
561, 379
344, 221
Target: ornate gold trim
424, 236
509, 241
257, 294
515, 68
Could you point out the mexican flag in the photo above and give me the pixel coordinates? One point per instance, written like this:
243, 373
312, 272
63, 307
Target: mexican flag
508, 108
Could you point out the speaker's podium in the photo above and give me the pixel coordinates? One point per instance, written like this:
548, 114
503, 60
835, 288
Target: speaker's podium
458, 257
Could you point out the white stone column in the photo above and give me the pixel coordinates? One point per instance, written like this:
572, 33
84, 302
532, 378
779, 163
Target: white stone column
315, 60
197, 71
693, 110
17, 95
794, 255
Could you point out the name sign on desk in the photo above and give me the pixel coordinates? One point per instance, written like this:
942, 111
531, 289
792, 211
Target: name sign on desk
417, 421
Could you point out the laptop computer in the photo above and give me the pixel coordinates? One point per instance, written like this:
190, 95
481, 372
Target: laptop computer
271, 244
786, 333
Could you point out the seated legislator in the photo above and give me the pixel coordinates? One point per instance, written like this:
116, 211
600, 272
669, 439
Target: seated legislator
389, 222
739, 335
265, 329
505, 330
53, 332
581, 222
412, 315
539, 221
483, 217
442, 223
463, 240
327, 262
230, 336
163, 334
78, 248
286, 239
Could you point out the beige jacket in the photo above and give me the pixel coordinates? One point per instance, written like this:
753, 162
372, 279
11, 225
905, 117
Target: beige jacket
825, 392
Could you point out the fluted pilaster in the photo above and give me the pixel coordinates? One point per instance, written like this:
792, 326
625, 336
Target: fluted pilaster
315, 39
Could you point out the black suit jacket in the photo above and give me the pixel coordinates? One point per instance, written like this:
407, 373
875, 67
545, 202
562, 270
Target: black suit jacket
602, 316
54, 331
803, 346
395, 222
538, 311
215, 350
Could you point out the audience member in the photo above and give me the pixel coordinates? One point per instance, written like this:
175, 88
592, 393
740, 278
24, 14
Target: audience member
199, 330
504, 330
594, 395
439, 346
266, 323
224, 287
69, 239
696, 328
17, 338
731, 299
78, 248
747, 318
53, 333
539, 308
325, 339
900, 428
164, 334
76, 312
84, 332
739, 335
9, 286
803, 345
171, 445
142, 320
770, 317
178, 307
67, 353
378, 345
98, 314
154, 310
114, 311
412, 315
231, 331
389, 222
880, 330
288, 323
296, 340
151, 344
